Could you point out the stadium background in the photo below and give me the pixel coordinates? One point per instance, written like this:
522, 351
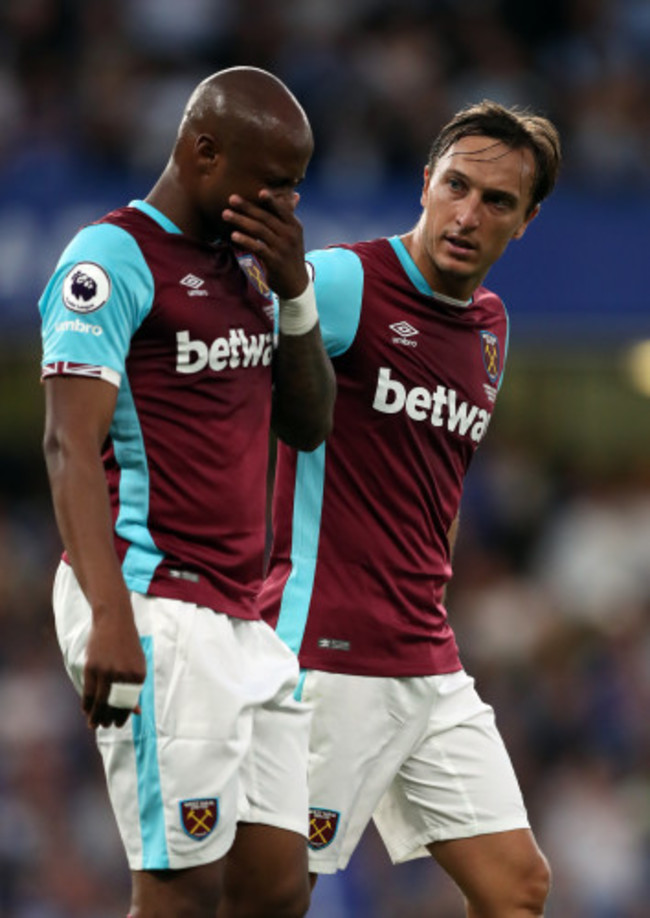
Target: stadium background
552, 595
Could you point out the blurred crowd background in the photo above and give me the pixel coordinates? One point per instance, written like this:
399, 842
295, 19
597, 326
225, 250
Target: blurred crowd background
551, 600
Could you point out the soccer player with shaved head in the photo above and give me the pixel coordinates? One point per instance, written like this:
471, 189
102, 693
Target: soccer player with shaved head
163, 377
364, 526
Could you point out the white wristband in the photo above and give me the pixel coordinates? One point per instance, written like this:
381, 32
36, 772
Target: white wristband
124, 695
299, 315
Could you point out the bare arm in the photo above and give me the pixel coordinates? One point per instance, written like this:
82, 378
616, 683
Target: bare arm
304, 383
78, 414
303, 390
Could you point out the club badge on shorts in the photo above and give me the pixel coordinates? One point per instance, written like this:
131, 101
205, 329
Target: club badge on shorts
199, 817
322, 827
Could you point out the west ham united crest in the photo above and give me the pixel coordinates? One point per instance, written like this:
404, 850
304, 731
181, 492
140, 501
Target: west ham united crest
199, 817
491, 357
255, 273
322, 827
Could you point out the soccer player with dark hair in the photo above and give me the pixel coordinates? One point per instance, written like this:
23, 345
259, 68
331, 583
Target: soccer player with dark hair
364, 526
162, 379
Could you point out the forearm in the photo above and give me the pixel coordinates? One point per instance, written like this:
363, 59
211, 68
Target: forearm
303, 392
304, 382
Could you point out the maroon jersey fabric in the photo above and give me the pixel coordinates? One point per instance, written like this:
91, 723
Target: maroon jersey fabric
186, 459
416, 389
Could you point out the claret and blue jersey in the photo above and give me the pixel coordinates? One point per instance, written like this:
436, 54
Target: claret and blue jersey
185, 331
360, 555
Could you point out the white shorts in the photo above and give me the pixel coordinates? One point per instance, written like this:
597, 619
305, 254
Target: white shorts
221, 738
422, 756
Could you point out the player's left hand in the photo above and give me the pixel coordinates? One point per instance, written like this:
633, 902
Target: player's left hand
270, 229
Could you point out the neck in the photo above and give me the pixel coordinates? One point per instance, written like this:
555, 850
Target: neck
457, 287
169, 197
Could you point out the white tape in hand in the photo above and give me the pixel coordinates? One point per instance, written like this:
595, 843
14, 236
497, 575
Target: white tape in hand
124, 695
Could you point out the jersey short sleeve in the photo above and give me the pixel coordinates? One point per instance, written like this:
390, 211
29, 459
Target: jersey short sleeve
98, 296
338, 284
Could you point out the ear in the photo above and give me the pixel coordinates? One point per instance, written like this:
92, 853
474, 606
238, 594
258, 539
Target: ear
207, 150
524, 226
425, 185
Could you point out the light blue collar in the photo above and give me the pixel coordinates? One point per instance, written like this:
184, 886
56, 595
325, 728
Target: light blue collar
156, 215
417, 278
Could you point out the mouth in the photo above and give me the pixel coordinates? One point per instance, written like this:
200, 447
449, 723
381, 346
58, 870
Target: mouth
459, 245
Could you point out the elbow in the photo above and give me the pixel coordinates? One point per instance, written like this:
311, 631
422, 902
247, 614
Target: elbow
51, 448
307, 424
307, 431
306, 437
56, 452
311, 440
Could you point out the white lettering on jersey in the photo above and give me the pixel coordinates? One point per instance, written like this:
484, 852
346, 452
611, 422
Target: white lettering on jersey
76, 325
194, 355
440, 406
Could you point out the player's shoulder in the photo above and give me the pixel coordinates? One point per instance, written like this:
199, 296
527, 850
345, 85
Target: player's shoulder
347, 259
101, 262
488, 301
338, 273
102, 241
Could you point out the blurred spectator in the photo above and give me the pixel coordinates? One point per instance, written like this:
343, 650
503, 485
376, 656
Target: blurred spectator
375, 76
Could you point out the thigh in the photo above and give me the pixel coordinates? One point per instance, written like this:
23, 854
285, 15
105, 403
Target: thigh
458, 783
266, 873
195, 891
490, 869
361, 732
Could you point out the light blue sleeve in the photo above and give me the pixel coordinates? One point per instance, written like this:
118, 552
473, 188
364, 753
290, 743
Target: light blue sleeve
338, 284
98, 296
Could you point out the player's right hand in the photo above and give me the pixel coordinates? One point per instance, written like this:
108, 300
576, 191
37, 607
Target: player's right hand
114, 656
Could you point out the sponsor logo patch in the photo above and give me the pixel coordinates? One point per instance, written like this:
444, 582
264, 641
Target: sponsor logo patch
440, 407
237, 350
490, 350
322, 827
199, 817
86, 287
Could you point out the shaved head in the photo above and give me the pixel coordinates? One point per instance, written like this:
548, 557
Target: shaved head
236, 103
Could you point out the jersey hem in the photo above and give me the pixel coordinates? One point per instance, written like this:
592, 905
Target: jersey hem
383, 672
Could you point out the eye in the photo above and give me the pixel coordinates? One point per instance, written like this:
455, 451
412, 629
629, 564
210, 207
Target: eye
501, 203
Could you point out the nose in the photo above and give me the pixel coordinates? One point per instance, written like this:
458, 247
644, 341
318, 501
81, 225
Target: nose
286, 196
468, 213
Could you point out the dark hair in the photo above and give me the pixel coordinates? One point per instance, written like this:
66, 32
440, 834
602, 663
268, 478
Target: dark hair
517, 129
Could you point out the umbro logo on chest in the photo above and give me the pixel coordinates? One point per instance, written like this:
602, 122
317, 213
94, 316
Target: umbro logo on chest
404, 334
194, 285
